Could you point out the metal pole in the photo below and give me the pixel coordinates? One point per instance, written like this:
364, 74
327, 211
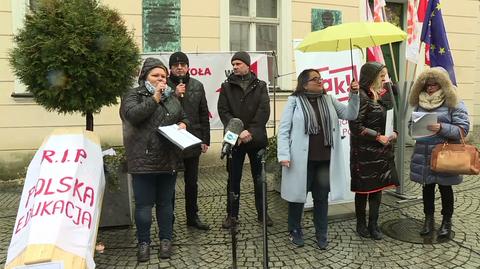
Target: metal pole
261, 154
275, 76
233, 222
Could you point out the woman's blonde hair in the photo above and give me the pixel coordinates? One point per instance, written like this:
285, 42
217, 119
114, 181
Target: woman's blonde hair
377, 85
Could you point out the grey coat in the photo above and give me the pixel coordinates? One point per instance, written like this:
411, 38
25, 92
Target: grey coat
293, 144
451, 115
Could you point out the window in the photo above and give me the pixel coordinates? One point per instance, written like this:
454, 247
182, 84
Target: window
254, 25
19, 9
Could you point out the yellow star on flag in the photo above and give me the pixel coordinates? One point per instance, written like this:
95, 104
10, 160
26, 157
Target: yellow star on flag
438, 7
432, 47
441, 51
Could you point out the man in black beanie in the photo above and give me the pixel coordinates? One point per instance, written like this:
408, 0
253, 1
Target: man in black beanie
191, 94
244, 96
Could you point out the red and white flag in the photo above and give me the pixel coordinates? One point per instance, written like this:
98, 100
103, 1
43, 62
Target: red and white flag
414, 28
373, 53
378, 6
415, 16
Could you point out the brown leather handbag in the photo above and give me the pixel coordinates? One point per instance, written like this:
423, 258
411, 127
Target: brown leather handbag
461, 159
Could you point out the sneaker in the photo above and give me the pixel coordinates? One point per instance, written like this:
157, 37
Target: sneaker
296, 237
143, 252
269, 220
165, 249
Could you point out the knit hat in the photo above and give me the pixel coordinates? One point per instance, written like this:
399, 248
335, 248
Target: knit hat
178, 57
242, 56
149, 64
369, 72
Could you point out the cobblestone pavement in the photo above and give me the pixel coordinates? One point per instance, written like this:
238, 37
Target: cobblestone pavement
212, 249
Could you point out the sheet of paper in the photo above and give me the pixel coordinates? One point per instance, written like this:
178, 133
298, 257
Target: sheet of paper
420, 121
180, 137
389, 123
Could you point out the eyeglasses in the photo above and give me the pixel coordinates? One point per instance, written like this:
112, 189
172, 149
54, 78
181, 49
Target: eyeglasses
316, 79
180, 64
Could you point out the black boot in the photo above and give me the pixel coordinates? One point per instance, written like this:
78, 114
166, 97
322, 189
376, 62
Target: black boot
446, 227
362, 228
428, 225
374, 229
374, 201
360, 213
197, 223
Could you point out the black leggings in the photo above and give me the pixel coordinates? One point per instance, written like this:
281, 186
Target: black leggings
446, 193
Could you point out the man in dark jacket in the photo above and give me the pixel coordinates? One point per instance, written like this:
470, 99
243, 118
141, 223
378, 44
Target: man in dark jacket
244, 96
191, 94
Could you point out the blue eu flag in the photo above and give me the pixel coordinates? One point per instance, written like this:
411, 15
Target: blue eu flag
433, 34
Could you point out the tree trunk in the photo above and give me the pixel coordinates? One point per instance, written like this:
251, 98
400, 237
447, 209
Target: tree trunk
89, 117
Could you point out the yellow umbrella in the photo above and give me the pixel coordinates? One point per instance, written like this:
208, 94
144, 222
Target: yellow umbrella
355, 34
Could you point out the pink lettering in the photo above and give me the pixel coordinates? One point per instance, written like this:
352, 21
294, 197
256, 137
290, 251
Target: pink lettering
67, 206
80, 153
89, 193
30, 193
45, 210
46, 155
65, 184
76, 191
65, 155
20, 225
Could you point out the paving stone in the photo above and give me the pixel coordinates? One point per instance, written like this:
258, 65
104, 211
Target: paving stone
212, 249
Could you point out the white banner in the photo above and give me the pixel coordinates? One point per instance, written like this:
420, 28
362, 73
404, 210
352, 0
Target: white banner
336, 71
61, 197
211, 69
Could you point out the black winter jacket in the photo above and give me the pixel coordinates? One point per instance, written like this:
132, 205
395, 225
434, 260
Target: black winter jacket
194, 104
372, 165
147, 151
252, 106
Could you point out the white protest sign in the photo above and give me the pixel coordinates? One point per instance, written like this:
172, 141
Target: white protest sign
211, 69
60, 205
336, 70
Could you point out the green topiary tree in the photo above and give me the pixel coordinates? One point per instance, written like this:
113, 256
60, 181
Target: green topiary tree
75, 56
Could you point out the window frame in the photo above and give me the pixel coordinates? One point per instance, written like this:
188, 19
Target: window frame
284, 51
20, 8
253, 20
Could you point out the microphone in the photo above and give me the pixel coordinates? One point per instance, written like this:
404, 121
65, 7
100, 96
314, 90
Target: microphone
180, 81
233, 129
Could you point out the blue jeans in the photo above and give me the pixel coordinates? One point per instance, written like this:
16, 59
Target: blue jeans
238, 158
150, 190
318, 182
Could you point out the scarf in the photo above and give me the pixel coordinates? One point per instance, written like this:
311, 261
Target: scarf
311, 122
176, 79
433, 101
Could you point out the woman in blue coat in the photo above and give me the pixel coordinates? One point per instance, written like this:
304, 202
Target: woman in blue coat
309, 150
433, 91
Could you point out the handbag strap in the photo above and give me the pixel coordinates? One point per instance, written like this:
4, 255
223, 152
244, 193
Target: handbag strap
462, 134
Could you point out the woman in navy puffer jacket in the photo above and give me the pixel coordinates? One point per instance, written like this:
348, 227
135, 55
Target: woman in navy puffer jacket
433, 91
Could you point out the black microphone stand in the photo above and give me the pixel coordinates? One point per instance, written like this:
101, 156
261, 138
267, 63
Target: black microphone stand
263, 178
232, 199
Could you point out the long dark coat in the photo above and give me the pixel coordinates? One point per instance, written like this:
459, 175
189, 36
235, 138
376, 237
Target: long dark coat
252, 106
372, 165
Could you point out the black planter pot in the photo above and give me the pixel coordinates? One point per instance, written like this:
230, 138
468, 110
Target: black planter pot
117, 206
